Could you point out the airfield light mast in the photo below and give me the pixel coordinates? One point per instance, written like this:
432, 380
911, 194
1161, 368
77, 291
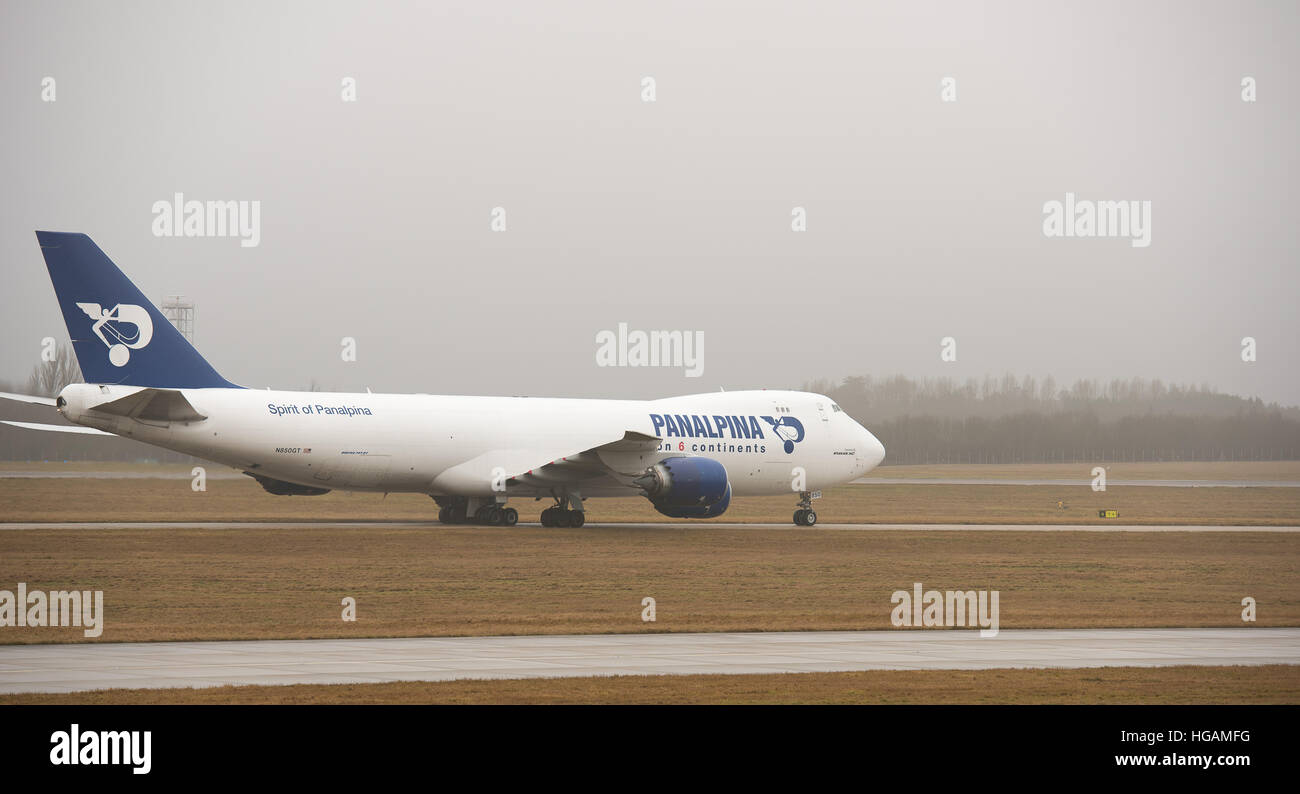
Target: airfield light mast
180, 312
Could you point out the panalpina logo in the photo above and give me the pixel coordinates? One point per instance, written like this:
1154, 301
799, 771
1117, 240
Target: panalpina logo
123, 328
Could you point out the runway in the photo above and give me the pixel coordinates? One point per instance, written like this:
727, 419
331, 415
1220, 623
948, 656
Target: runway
597, 525
68, 668
1082, 483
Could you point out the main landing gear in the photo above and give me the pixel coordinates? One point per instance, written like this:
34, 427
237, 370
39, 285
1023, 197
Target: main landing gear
567, 512
805, 516
563, 517
456, 511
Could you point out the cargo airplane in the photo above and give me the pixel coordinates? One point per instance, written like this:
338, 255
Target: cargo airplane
687, 455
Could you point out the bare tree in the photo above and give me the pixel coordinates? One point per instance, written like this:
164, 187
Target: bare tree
49, 377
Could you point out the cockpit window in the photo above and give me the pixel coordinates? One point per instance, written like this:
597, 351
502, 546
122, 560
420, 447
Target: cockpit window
836, 408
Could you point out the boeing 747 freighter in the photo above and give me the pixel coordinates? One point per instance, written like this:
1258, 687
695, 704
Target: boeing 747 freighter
688, 455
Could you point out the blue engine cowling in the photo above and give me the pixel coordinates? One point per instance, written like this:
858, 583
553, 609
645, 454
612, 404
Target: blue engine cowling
687, 487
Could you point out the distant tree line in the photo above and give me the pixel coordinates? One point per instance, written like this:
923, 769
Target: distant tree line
1010, 419
49, 377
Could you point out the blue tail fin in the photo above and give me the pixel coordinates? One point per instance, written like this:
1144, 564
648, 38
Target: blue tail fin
118, 334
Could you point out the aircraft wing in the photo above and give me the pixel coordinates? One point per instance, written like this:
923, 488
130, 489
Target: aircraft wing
606, 467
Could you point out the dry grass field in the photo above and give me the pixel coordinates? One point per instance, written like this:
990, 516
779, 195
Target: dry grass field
430, 580
425, 579
1106, 685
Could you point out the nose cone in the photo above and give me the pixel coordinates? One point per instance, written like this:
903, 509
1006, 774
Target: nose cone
872, 451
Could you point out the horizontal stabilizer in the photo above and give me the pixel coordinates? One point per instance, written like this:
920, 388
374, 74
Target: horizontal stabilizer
153, 405
90, 431
27, 398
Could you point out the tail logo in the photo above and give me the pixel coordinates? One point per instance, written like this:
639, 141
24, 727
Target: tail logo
111, 326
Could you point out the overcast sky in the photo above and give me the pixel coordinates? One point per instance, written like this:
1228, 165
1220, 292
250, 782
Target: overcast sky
924, 216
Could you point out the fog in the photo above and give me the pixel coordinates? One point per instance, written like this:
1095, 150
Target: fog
924, 218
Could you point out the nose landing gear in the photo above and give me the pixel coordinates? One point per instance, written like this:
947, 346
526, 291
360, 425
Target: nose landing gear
805, 516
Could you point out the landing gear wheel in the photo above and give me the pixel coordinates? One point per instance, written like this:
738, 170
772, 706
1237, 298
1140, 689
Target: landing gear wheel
562, 517
509, 517
444, 515
492, 516
804, 515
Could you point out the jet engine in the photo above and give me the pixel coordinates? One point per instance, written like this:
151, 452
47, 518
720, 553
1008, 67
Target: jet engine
687, 487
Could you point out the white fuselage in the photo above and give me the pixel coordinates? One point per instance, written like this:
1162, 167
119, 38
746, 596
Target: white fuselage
466, 446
